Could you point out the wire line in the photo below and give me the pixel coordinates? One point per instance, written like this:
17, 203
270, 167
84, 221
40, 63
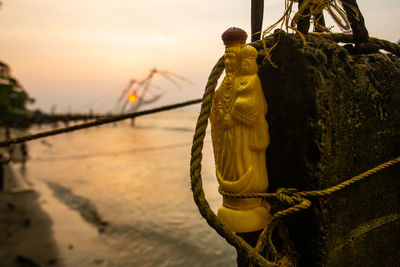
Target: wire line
97, 122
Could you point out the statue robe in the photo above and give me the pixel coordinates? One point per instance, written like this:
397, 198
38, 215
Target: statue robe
240, 137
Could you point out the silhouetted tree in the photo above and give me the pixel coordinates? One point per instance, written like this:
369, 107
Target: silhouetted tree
13, 97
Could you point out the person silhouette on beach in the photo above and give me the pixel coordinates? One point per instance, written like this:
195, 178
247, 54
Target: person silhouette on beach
24, 154
3, 161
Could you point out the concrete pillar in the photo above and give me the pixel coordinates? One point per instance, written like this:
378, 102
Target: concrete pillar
333, 115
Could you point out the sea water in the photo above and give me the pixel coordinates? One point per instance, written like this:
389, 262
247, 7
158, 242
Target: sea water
119, 195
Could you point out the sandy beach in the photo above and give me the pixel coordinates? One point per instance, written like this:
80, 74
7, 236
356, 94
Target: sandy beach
26, 237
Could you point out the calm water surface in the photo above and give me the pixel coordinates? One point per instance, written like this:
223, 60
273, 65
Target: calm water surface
137, 178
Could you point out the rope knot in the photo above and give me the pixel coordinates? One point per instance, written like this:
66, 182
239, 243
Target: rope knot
287, 195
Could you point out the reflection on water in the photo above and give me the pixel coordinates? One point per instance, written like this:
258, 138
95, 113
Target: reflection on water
137, 180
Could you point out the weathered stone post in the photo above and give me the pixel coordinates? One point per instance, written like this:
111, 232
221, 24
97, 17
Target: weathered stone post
333, 115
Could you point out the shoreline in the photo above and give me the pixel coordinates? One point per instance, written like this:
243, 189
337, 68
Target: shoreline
37, 228
26, 235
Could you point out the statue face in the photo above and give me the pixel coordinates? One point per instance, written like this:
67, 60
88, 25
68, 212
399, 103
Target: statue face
232, 62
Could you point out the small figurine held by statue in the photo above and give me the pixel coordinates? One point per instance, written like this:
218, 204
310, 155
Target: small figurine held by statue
240, 136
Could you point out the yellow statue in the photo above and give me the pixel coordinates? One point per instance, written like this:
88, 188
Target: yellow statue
240, 136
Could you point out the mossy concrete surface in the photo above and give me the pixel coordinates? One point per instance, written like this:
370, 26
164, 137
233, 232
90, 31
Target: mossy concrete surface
333, 115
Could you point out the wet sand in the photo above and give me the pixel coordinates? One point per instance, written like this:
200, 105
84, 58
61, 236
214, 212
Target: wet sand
36, 229
26, 237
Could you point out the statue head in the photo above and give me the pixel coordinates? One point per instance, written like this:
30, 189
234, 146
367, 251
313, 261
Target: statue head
234, 40
249, 65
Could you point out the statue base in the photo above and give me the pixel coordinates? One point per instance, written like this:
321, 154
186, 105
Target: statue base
245, 220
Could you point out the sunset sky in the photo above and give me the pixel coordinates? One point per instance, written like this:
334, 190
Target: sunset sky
81, 54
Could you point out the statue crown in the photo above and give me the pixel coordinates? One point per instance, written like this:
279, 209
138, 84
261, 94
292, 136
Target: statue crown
234, 35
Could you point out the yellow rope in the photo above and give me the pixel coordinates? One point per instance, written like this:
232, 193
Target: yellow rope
353, 180
289, 21
291, 193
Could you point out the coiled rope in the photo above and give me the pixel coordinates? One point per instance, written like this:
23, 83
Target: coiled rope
296, 200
